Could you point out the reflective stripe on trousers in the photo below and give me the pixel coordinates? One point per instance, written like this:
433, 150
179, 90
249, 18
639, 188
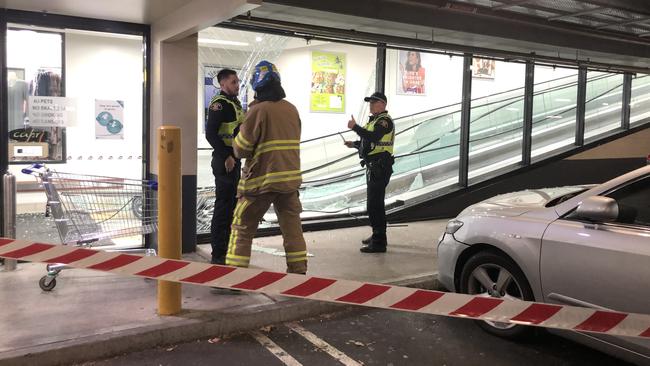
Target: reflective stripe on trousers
249, 212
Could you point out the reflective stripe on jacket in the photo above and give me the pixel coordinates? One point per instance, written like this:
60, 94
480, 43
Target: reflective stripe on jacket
387, 141
227, 128
269, 140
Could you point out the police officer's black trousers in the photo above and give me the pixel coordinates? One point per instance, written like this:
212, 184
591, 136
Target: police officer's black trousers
377, 177
224, 205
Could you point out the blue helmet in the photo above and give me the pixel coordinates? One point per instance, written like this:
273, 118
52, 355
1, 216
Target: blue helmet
263, 74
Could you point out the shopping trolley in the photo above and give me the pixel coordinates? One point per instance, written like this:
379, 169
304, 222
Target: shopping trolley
89, 211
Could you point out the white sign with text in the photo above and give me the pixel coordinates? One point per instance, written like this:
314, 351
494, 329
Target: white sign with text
52, 111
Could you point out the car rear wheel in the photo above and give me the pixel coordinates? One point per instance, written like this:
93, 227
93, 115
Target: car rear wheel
491, 274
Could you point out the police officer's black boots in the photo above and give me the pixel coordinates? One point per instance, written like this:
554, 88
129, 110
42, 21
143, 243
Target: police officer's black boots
218, 260
367, 240
378, 243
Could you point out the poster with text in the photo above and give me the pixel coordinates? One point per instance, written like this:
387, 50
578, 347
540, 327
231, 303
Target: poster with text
410, 73
52, 111
109, 119
483, 68
327, 82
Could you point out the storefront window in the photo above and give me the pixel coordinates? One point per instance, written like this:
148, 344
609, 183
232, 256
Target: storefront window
424, 92
603, 104
76, 104
639, 106
554, 110
34, 74
496, 117
326, 81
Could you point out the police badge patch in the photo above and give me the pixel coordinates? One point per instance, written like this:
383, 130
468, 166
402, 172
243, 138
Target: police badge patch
216, 106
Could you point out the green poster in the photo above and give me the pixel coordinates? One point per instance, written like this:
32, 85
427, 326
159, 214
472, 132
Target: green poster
327, 82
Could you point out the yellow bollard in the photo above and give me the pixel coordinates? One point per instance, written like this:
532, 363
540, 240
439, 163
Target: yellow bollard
169, 213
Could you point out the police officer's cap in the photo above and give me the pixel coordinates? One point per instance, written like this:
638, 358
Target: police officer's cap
376, 96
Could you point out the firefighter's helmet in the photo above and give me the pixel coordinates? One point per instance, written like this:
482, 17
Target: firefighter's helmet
263, 74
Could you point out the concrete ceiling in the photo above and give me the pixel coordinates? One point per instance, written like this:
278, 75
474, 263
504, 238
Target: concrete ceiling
133, 11
438, 23
509, 25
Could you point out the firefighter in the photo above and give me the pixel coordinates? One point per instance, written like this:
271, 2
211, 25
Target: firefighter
269, 140
225, 114
375, 147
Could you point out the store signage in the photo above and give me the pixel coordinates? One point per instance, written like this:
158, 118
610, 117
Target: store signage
28, 135
52, 111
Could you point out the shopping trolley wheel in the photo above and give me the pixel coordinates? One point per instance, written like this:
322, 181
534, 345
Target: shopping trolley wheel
47, 283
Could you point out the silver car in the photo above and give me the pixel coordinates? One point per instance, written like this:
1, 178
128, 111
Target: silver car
583, 245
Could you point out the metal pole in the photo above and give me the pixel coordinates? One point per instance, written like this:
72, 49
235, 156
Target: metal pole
9, 213
627, 99
169, 213
380, 75
465, 115
527, 144
581, 106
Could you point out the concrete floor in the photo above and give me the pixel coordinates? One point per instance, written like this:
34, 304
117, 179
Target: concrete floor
88, 309
335, 253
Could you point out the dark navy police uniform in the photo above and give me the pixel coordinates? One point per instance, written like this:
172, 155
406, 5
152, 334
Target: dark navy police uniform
225, 114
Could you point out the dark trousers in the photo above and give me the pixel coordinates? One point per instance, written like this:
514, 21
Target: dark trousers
378, 174
224, 205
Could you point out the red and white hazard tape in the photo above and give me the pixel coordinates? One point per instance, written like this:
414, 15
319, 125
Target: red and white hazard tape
338, 291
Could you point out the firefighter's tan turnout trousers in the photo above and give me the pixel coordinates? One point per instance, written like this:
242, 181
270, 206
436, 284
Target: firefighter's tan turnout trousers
247, 215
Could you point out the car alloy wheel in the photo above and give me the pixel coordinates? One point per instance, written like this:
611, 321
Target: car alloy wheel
491, 274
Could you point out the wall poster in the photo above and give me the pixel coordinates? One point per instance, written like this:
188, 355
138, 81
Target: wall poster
109, 119
483, 68
327, 82
410, 73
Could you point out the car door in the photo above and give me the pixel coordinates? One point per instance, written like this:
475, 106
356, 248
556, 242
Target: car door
602, 265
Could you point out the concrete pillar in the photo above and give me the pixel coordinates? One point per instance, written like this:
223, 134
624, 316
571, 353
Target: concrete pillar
174, 90
174, 96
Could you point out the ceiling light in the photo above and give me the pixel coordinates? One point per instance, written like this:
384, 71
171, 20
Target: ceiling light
221, 41
258, 39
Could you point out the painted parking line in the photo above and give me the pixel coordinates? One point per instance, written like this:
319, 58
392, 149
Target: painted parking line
322, 345
276, 350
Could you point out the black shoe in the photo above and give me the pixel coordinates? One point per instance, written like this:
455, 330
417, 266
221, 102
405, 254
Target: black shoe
367, 240
218, 260
379, 240
373, 249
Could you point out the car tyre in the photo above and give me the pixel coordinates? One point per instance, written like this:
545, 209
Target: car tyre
501, 271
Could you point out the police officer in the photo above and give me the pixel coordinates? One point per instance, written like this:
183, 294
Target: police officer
376, 153
225, 114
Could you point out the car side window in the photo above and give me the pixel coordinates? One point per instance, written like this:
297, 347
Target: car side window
633, 202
